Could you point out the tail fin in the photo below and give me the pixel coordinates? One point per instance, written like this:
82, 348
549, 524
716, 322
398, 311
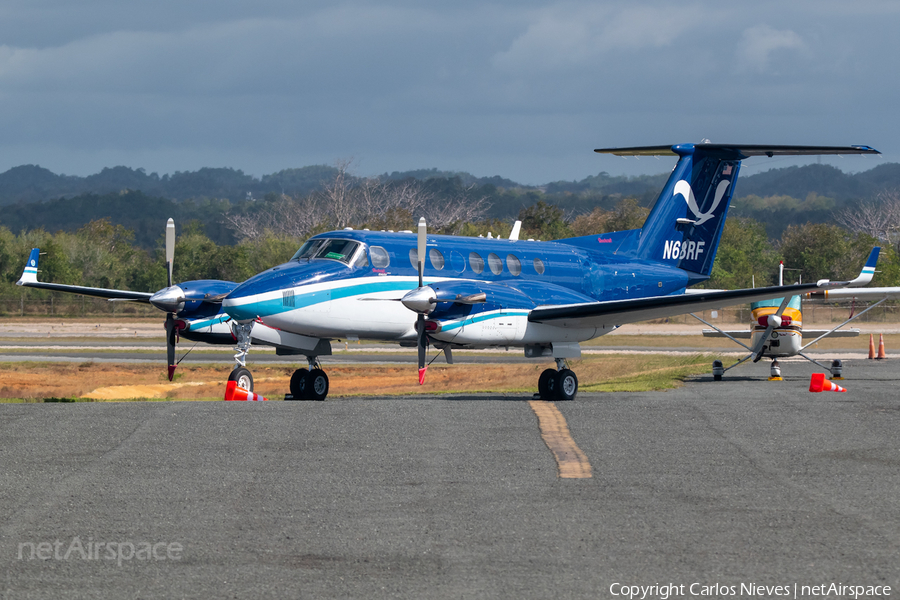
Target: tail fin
685, 225
29, 275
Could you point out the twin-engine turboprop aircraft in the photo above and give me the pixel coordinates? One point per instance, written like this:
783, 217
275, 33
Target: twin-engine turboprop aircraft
455, 292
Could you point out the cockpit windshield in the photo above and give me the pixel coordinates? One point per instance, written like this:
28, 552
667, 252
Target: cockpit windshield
334, 249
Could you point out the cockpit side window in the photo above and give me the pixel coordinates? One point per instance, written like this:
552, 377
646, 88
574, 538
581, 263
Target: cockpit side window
340, 250
362, 260
307, 250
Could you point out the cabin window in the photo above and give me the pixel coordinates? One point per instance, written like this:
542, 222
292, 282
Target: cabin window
414, 258
379, 257
476, 262
539, 266
495, 263
437, 259
513, 264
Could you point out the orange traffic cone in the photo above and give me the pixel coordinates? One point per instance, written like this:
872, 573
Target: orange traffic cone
880, 347
818, 383
871, 347
235, 392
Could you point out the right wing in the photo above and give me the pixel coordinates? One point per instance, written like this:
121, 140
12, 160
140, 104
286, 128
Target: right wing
29, 279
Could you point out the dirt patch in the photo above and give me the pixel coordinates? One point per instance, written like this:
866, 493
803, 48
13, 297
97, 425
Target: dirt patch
107, 381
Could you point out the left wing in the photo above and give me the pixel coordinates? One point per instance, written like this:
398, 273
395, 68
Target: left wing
618, 312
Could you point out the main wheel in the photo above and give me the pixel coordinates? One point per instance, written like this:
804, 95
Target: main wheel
317, 384
243, 378
544, 384
566, 385
298, 384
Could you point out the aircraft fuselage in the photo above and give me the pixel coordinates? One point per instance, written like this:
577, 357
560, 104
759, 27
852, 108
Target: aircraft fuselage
354, 291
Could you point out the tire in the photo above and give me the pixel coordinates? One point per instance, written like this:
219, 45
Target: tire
544, 383
317, 385
243, 378
566, 385
298, 384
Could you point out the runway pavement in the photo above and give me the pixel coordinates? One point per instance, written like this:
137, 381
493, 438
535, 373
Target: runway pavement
715, 484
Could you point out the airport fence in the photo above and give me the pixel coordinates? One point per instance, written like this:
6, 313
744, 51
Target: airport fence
57, 304
889, 312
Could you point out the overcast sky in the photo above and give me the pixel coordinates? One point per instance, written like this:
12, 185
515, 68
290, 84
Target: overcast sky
521, 89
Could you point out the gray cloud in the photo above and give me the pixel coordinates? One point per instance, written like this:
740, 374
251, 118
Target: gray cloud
523, 90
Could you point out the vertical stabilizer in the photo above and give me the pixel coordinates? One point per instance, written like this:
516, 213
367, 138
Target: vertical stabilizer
685, 225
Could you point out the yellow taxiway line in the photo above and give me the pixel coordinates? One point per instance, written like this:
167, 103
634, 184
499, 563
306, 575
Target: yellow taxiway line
572, 462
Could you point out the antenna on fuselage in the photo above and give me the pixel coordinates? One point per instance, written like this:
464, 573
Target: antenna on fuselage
514, 236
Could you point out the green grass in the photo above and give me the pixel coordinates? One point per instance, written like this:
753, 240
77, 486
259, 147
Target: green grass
654, 373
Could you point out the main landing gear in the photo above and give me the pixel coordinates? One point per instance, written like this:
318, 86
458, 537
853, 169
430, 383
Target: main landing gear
558, 384
311, 383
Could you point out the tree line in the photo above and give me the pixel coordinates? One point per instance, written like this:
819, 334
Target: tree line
103, 254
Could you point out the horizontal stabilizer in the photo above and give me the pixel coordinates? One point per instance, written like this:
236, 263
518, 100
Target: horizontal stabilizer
743, 150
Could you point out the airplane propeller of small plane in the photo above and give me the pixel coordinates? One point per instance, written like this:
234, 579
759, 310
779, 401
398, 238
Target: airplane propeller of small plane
458, 292
778, 335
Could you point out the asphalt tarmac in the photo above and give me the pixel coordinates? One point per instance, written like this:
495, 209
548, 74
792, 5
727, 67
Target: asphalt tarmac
721, 484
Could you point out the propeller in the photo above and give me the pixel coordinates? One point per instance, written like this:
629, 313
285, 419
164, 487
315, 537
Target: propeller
422, 339
772, 321
170, 300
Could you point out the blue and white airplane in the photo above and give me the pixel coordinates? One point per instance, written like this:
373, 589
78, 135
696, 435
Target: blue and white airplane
546, 297
455, 292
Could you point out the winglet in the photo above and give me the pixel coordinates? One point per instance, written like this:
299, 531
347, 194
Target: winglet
868, 271
29, 275
865, 276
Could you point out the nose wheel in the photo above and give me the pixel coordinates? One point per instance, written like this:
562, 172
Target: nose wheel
558, 384
243, 377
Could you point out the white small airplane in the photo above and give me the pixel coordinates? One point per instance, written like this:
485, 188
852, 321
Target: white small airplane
776, 330
455, 292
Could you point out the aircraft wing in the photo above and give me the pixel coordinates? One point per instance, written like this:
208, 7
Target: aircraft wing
859, 293
743, 334
618, 312
29, 279
89, 291
814, 333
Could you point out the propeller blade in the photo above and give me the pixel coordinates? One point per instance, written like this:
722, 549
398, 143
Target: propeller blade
772, 321
171, 333
170, 250
421, 249
421, 342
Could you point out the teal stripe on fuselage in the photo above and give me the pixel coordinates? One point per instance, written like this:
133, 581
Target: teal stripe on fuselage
481, 317
276, 305
195, 325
